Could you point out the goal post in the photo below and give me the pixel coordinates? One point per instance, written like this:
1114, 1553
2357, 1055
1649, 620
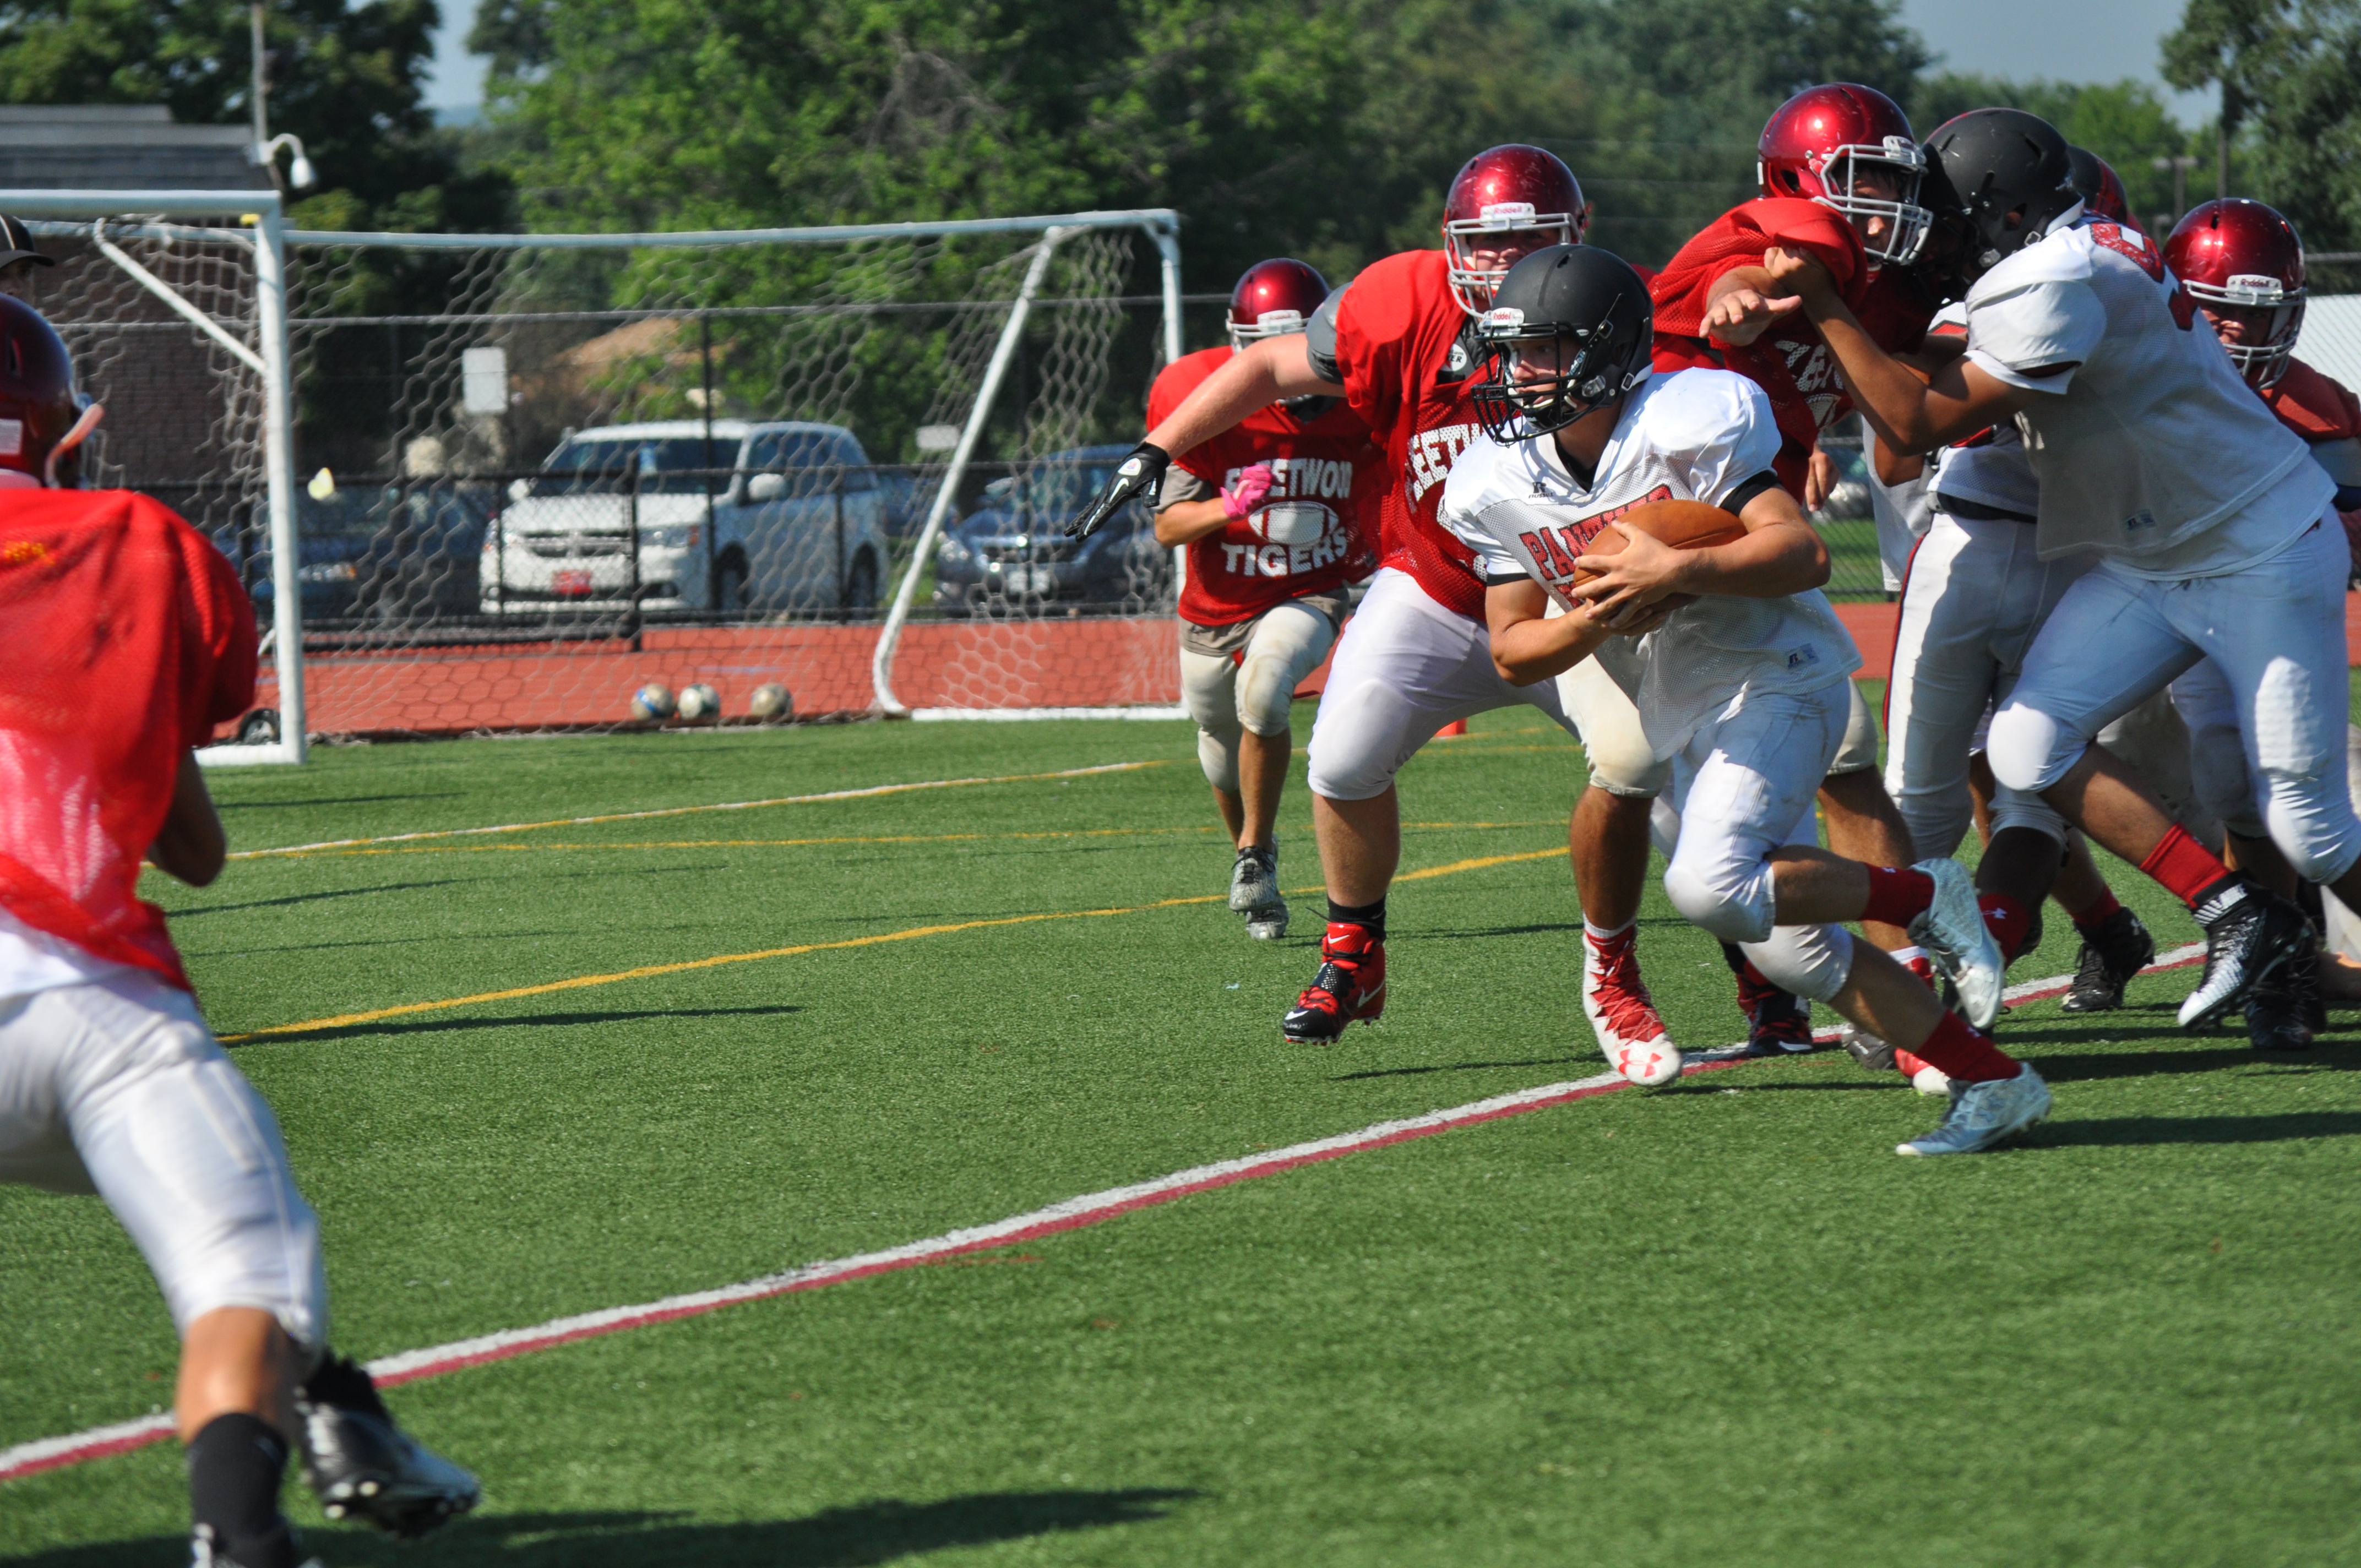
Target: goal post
217, 309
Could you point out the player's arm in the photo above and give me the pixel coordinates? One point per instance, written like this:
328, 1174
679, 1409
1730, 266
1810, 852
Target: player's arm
1527, 646
190, 845
1911, 413
1781, 555
1180, 522
1746, 302
1185, 523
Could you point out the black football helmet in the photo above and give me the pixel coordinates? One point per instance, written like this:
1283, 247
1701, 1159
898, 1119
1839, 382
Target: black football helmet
1996, 178
1594, 314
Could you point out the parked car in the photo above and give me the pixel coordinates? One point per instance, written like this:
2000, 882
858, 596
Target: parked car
1012, 552
391, 556
783, 515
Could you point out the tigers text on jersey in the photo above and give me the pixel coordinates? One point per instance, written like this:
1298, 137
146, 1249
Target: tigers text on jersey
2149, 446
1696, 436
1398, 341
1317, 527
1790, 361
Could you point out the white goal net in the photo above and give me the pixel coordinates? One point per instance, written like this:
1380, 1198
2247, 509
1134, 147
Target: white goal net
533, 475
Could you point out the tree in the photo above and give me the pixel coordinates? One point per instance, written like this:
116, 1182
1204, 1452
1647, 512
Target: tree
2124, 122
2289, 71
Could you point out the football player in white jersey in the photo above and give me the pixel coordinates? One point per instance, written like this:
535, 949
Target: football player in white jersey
1733, 658
2212, 529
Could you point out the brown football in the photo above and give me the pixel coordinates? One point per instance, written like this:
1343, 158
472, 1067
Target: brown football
1684, 525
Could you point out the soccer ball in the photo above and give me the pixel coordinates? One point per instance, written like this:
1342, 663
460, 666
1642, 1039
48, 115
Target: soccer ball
653, 700
770, 703
699, 704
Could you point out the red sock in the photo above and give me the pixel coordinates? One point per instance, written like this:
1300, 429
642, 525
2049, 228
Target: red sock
1964, 1056
1897, 895
2185, 867
2099, 913
2007, 920
1908, 1064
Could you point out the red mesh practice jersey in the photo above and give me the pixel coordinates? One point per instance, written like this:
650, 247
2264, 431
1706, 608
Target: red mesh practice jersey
129, 637
1408, 373
1325, 477
1789, 362
2314, 406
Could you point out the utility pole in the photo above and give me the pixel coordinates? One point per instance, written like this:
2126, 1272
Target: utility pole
2180, 168
261, 88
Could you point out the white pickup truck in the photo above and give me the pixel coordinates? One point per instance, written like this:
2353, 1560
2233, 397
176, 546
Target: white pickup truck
737, 517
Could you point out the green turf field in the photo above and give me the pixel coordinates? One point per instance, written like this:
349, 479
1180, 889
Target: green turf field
1715, 1324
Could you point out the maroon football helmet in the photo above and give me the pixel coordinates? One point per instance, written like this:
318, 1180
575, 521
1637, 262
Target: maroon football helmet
2243, 264
1274, 298
1510, 189
1819, 144
43, 422
2101, 190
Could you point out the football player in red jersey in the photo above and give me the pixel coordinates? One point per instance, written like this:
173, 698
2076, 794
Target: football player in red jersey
1839, 173
129, 639
2243, 263
1397, 343
1270, 512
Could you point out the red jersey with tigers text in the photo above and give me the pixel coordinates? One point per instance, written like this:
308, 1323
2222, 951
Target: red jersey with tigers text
1790, 361
1315, 531
1407, 355
128, 638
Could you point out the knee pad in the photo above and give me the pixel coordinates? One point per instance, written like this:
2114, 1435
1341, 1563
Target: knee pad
1732, 903
1813, 962
2029, 751
1859, 750
1266, 692
2311, 819
1633, 772
2015, 808
1218, 755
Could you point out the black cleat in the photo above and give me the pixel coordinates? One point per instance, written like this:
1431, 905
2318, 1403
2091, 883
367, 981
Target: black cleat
2251, 936
362, 1465
1351, 984
2117, 950
1778, 1023
2281, 1013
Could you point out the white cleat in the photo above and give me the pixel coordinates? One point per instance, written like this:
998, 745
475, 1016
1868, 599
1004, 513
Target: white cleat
1269, 923
1953, 932
1985, 1115
1931, 1080
1623, 1015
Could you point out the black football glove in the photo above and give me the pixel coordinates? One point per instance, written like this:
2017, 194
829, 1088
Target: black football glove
1139, 474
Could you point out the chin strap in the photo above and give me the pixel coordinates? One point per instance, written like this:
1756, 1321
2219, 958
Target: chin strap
80, 432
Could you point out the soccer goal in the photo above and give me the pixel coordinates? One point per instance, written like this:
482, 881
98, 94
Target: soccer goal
506, 482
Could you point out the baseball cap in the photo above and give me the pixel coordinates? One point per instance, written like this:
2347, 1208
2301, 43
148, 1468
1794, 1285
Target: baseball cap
16, 244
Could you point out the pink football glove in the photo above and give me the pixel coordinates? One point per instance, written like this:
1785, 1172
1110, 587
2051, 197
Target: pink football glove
1242, 498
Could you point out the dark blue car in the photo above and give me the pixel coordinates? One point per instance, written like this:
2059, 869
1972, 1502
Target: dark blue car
1011, 555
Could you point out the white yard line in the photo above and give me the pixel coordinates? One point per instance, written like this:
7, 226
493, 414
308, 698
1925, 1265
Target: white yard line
1090, 1209
692, 810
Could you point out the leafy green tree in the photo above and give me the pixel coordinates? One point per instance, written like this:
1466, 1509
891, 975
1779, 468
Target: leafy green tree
2125, 123
2289, 71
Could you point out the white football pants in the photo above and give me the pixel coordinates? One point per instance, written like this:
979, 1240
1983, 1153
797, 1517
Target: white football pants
1621, 761
1404, 668
1254, 690
2277, 632
1972, 598
118, 1087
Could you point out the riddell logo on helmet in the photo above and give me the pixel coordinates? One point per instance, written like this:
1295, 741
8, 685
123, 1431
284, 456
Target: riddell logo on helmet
1509, 214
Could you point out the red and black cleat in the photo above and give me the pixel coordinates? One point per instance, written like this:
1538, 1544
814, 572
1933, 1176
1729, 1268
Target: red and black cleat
1351, 985
1778, 1023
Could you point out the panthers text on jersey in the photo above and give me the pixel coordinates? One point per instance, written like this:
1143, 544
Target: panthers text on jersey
1704, 435
1317, 528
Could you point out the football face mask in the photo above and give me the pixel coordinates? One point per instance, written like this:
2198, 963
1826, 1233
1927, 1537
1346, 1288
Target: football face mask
1546, 374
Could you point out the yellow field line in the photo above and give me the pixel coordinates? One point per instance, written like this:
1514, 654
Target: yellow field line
840, 839
862, 793
645, 971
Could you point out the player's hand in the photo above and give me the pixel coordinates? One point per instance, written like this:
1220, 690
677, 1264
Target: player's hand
1642, 575
1139, 474
1647, 617
1246, 492
1741, 316
1819, 479
1804, 274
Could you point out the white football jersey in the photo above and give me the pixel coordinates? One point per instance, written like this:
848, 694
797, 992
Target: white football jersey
1991, 470
2150, 441
1696, 436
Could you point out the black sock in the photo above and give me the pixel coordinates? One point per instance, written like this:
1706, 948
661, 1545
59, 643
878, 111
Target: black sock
235, 1467
1370, 917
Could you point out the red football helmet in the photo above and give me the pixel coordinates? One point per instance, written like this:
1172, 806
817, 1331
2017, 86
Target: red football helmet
1819, 144
1274, 298
2102, 190
2244, 265
1511, 189
43, 422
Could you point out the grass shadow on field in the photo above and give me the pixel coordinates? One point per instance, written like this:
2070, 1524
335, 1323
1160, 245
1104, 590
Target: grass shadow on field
2127, 1130
315, 898
884, 1531
2071, 1068
529, 1020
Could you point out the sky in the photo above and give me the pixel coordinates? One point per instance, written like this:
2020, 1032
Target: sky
2071, 40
